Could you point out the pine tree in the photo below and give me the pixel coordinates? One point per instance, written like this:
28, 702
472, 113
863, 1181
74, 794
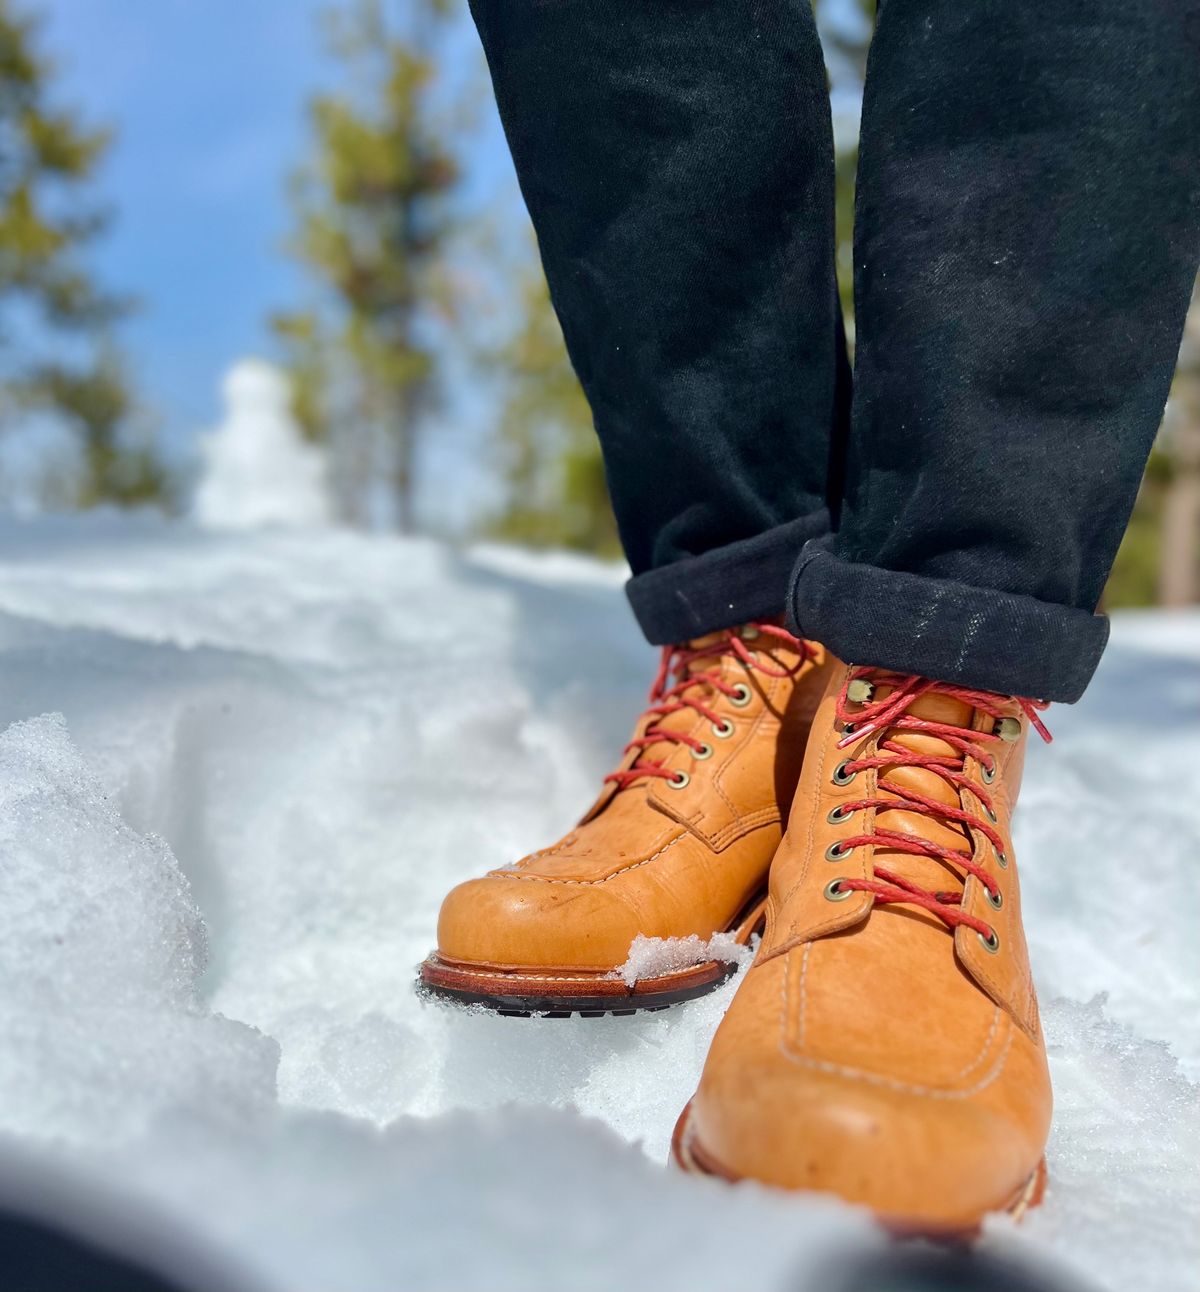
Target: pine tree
57, 354
555, 490
374, 224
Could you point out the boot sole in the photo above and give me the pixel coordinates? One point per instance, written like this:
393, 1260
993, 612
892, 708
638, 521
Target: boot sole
548, 993
689, 1156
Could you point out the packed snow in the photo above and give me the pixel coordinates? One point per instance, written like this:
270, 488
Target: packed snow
220, 866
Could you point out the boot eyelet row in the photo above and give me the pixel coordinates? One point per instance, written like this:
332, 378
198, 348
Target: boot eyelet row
838, 852
988, 774
839, 814
1001, 858
679, 780
840, 775
705, 751
723, 729
990, 944
995, 900
834, 892
742, 695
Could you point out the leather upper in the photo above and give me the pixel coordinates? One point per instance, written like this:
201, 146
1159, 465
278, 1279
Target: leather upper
871, 1051
650, 857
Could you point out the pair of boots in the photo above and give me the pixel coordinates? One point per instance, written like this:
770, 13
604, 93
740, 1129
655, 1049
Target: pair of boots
884, 1045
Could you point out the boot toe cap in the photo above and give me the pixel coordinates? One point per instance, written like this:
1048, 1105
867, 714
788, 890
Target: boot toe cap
516, 921
924, 1158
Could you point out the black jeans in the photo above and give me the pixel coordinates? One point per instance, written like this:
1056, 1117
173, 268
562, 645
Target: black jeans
1027, 234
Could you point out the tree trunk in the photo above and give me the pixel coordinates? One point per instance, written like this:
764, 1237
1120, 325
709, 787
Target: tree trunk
1179, 572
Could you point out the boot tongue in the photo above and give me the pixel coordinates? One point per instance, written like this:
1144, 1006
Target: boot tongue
929, 872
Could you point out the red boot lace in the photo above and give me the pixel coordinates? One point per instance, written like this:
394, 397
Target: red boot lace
892, 712
688, 692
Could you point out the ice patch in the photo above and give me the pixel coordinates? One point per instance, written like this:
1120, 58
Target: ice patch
652, 957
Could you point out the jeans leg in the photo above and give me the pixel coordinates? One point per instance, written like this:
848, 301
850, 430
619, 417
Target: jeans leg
1027, 237
676, 157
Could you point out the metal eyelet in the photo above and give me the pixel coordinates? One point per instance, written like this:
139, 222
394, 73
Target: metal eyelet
750, 632
679, 780
991, 816
837, 852
990, 944
723, 729
995, 900
988, 774
742, 695
840, 775
1008, 729
705, 751
834, 892
1001, 858
839, 814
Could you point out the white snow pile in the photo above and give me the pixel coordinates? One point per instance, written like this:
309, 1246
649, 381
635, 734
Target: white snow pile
257, 469
649, 957
294, 742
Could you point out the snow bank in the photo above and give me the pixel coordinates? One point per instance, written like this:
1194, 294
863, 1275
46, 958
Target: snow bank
100, 957
299, 741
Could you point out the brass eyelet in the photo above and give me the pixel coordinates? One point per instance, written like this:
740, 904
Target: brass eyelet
840, 775
705, 751
839, 814
1001, 858
750, 632
991, 816
837, 852
995, 900
834, 892
988, 774
679, 780
742, 695
1008, 729
990, 944
723, 729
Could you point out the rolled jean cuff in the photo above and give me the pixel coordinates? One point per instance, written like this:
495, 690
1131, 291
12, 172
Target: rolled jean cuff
718, 589
942, 629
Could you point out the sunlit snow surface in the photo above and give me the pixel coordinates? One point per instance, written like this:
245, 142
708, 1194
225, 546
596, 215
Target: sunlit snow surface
276, 754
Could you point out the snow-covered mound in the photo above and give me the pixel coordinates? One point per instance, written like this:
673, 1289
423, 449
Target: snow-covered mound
290, 744
257, 469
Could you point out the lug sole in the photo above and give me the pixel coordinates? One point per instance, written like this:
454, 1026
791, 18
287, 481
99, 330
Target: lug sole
549, 993
689, 1156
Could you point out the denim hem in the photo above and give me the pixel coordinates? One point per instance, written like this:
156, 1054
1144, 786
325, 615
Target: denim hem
939, 628
719, 589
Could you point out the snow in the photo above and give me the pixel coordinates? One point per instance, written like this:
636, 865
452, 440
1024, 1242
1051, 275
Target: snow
649, 957
220, 868
257, 469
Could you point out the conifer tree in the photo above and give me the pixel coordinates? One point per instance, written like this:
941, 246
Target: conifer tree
57, 353
555, 490
373, 227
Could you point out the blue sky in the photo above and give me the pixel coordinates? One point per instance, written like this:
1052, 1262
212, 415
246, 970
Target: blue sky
208, 101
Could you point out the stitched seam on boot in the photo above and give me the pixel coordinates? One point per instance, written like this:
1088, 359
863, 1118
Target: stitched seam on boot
586, 883
719, 778
581, 976
874, 1078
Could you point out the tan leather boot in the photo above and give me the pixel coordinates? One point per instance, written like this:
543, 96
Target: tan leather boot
885, 1045
678, 843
